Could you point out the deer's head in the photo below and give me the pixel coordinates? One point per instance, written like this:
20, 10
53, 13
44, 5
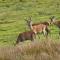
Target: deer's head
29, 22
52, 19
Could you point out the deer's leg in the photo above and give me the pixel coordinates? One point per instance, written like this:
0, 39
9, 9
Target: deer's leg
59, 35
59, 32
38, 35
33, 37
17, 41
45, 32
20, 39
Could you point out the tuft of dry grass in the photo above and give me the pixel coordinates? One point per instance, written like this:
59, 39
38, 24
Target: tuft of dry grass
45, 50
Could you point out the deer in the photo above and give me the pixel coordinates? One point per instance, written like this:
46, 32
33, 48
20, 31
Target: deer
27, 35
38, 27
55, 22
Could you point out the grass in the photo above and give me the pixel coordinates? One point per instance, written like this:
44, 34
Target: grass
44, 50
13, 13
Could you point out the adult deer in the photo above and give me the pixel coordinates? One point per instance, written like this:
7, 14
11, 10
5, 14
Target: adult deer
55, 22
28, 35
38, 27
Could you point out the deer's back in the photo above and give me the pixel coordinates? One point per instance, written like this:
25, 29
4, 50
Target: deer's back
39, 27
57, 23
26, 35
44, 23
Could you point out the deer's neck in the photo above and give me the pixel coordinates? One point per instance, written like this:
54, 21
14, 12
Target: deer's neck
57, 23
31, 27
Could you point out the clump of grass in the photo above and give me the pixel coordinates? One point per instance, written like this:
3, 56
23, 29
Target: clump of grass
45, 50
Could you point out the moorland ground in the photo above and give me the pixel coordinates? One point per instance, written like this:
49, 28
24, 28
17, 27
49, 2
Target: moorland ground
12, 21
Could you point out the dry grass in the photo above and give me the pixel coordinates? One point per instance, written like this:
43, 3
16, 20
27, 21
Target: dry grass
45, 50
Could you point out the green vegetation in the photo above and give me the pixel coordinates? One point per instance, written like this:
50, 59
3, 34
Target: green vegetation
13, 13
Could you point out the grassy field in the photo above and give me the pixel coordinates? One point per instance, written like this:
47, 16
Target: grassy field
13, 13
12, 22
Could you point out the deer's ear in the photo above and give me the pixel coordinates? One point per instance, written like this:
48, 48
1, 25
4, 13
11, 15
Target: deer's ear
53, 16
25, 19
30, 18
50, 17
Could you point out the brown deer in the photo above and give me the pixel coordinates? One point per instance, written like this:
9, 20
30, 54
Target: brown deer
38, 27
53, 21
28, 35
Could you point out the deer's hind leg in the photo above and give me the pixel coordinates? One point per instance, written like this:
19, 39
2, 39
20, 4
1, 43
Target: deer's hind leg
59, 33
38, 34
45, 32
33, 37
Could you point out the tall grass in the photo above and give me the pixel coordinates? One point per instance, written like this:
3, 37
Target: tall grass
45, 50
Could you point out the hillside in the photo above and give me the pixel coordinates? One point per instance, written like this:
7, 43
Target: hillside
13, 13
